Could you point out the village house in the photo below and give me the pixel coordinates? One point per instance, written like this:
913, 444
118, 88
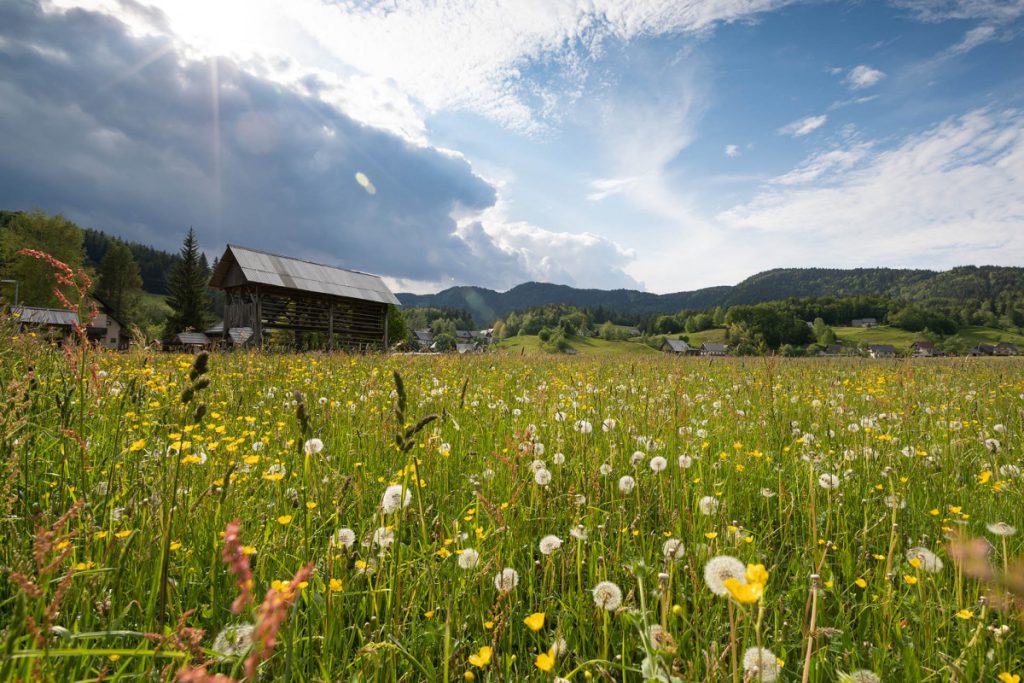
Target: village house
713, 349
982, 350
677, 346
882, 351
1004, 348
864, 322
924, 349
105, 330
423, 338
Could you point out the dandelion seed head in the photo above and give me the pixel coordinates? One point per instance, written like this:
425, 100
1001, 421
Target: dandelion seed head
468, 558
761, 665
607, 596
506, 579
720, 568
549, 544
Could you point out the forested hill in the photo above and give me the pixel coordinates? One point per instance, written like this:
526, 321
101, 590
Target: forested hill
154, 264
965, 282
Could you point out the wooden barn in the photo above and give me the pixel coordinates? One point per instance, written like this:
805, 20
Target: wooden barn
345, 308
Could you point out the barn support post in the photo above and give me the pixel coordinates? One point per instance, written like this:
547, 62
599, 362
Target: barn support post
385, 328
257, 323
330, 327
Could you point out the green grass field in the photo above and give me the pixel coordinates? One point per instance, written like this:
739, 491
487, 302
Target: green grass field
902, 339
309, 517
585, 346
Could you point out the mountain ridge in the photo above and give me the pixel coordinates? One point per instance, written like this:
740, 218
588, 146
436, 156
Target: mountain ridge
958, 283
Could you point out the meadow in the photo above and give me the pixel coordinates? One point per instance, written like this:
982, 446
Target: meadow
315, 517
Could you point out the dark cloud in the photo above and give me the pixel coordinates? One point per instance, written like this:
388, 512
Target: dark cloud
121, 133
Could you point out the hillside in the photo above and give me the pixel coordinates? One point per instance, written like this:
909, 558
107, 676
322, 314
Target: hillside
958, 284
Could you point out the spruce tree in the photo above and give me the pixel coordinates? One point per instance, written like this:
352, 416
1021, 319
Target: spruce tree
120, 284
188, 299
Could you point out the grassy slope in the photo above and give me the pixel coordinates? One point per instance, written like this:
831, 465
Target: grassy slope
584, 346
902, 339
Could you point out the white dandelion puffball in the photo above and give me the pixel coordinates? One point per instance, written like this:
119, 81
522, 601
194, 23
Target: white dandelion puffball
1009, 471
392, 501
1001, 529
560, 416
684, 462
930, 562
658, 464
345, 537
313, 446
550, 544
542, 477
894, 501
828, 481
605, 469
607, 596
558, 458
864, 676
760, 664
579, 532
506, 579
234, 641
708, 505
537, 465
626, 483
584, 427
720, 568
468, 558
993, 445
767, 493
608, 425
382, 537
637, 458
673, 549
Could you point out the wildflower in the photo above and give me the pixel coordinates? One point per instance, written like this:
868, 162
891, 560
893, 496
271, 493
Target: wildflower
626, 484
546, 661
393, 500
964, 614
720, 568
910, 580
605, 469
828, 481
608, 424
708, 505
550, 544
535, 621
312, 446
506, 579
234, 640
685, 462
1007, 677
579, 532
468, 558
1001, 529
284, 520
760, 664
335, 585
767, 493
542, 477
382, 538
927, 560
344, 537
583, 427
673, 549
637, 458
482, 657
558, 458
658, 464
993, 445
896, 502
607, 596
861, 583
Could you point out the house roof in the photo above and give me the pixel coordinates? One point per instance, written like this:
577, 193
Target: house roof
713, 346
1006, 345
34, 315
923, 345
677, 345
261, 267
191, 338
240, 335
423, 335
465, 348
884, 348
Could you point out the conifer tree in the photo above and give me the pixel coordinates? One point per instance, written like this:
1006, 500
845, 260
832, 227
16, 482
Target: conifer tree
189, 299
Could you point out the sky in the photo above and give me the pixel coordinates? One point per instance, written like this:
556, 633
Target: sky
663, 145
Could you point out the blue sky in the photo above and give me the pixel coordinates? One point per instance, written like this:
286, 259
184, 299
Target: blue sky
657, 144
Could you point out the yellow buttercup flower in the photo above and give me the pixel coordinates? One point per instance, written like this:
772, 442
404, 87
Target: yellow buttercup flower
284, 519
482, 658
964, 614
744, 593
535, 621
546, 660
911, 580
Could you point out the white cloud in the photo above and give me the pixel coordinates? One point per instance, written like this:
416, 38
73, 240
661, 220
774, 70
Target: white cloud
943, 10
424, 56
732, 151
803, 126
951, 195
863, 76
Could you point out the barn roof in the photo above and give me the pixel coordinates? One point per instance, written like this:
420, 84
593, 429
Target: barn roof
264, 268
191, 339
34, 315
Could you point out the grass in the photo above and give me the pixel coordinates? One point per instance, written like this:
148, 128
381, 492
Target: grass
902, 339
124, 475
584, 346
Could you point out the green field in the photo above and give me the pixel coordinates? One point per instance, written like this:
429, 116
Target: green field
902, 339
318, 517
585, 346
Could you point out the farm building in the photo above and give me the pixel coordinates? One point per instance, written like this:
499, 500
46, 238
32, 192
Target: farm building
1004, 348
882, 351
265, 292
924, 349
864, 322
677, 346
712, 349
105, 330
982, 350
